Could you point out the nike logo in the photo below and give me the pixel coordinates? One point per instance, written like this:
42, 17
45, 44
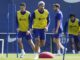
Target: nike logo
11, 39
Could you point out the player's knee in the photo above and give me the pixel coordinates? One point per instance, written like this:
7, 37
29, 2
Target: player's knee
72, 42
30, 42
37, 42
54, 40
42, 43
19, 41
37, 39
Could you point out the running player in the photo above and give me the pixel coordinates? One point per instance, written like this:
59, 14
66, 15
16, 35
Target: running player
72, 28
58, 27
23, 21
40, 19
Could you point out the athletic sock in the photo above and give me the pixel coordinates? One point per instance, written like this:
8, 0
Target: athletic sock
73, 51
22, 50
59, 51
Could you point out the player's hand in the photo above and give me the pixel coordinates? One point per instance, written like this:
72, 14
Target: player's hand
46, 29
78, 33
56, 31
31, 30
18, 29
28, 32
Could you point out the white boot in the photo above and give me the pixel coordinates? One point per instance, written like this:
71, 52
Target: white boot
78, 52
64, 51
22, 53
59, 52
39, 50
36, 56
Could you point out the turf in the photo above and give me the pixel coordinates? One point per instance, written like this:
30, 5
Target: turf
31, 57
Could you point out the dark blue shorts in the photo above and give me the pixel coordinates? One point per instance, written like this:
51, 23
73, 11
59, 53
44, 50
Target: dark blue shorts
73, 39
24, 35
39, 33
73, 36
58, 35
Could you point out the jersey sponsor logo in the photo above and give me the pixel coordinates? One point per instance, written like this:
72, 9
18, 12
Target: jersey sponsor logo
72, 1
72, 26
41, 18
22, 19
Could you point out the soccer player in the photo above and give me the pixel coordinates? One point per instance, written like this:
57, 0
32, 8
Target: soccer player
72, 28
23, 23
40, 19
58, 27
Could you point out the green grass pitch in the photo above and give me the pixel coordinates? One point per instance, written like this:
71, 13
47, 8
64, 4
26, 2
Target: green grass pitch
31, 57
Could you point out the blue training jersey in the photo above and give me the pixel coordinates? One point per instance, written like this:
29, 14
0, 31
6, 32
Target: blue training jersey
59, 16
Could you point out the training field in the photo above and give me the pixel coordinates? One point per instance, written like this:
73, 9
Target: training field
31, 57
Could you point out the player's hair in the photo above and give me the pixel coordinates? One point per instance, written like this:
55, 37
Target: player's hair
41, 3
23, 4
57, 5
72, 15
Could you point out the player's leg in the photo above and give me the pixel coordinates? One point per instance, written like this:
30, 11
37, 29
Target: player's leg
58, 43
42, 37
42, 42
20, 43
55, 41
20, 35
37, 48
37, 42
71, 39
37, 39
77, 43
29, 38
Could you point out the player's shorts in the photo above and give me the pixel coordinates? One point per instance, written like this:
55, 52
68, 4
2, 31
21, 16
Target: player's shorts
58, 35
24, 35
39, 33
73, 38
